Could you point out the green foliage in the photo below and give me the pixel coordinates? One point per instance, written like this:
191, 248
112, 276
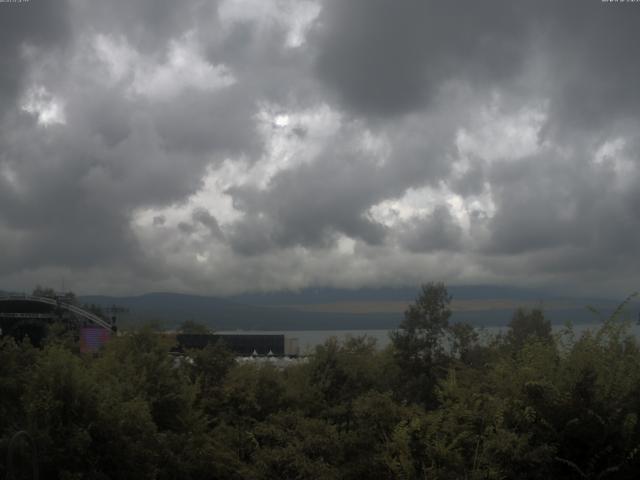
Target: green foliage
253, 392
418, 344
341, 372
291, 447
191, 326
528, 324
16, 362
439, 403
209, 369
139, 365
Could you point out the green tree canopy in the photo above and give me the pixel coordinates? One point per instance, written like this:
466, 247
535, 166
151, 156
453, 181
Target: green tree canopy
418, 342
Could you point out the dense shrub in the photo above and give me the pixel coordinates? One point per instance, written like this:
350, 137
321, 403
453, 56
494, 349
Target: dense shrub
435, 404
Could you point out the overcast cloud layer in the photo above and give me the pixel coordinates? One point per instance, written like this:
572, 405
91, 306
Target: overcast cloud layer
226, 146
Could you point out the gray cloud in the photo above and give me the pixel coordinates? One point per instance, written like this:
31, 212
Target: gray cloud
147, 24
390, 58
312, 204
436, 231
203, 217
308, 205
197, 145
29, 29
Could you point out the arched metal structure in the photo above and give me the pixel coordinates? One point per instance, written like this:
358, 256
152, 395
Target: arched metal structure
54, 302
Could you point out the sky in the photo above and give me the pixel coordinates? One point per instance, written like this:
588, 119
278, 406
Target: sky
227, 146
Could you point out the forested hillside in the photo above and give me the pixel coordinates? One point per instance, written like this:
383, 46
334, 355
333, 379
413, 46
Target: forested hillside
438, 404
343, 309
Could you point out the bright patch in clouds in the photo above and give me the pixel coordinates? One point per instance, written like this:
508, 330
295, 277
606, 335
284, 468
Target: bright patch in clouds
281, 120
48, 109
611, 155
419, 202
9, 176
291, 139
609, 151
116, 55
495, 135
294, 16
183, 68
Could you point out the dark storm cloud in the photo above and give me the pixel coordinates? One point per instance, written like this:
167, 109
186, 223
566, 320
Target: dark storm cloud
81, 191
38, 24
564, 217
72, 186
196, 123
436, 231
204, 217
538, 201
387, 58
159, 220
265, 69
253, 235
383, 59
186, 228
471, 182
309, 205
67, 218
138, 141
592, 47
148, 24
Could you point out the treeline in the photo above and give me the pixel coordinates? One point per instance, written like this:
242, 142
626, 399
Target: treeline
437, 404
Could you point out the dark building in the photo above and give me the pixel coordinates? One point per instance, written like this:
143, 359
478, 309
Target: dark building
28, 316
242, 345
20, 319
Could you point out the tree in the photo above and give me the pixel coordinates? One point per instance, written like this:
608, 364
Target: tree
41, 291
140, 365
291, 446
465, 345
526, 325
61, 403
418, 343
342, 371
209, 369
191, 326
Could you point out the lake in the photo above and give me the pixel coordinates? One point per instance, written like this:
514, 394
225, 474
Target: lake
309, 339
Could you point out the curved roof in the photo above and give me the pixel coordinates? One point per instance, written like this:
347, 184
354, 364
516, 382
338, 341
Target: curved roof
53, 302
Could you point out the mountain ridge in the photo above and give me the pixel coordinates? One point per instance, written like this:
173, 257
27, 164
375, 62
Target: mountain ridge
335, 309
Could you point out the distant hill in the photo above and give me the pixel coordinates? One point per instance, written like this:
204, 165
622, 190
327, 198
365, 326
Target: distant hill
336, 309
327, 295
171, 309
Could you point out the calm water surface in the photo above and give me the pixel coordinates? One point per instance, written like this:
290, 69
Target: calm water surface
309, 339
